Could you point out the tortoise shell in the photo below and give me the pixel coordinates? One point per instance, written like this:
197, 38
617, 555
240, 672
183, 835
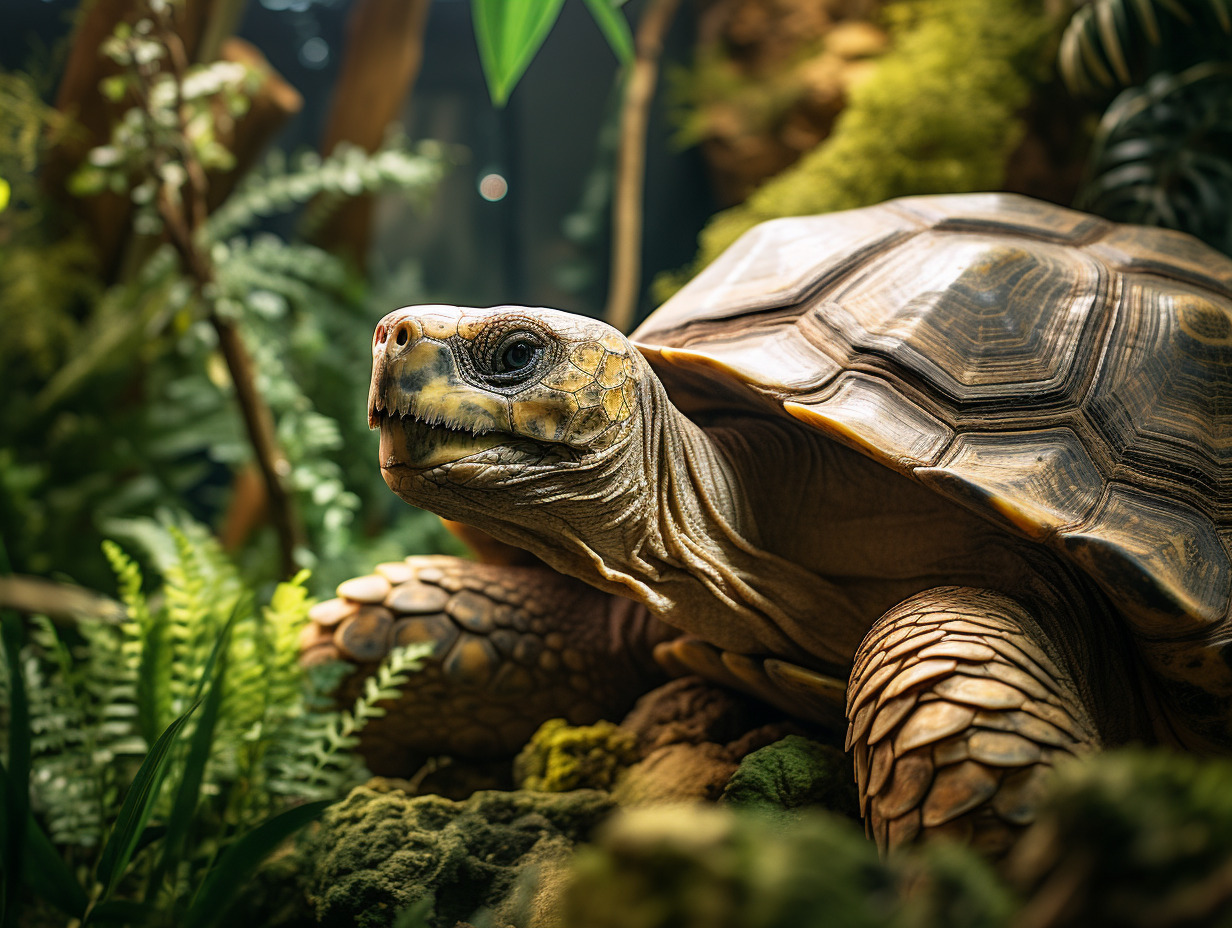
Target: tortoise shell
1064, 376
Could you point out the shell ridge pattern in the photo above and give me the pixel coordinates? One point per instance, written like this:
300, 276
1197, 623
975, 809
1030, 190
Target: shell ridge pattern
1056, 373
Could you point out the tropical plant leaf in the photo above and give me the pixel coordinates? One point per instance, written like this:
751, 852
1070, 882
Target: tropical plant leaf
509, 33
1112, 44
240, 859
614, 26
1163, 155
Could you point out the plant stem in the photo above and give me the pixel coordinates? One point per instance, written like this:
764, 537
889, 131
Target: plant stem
182, 230
626, 273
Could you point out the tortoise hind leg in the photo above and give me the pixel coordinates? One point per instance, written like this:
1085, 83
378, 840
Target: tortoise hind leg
512, 646
956, 714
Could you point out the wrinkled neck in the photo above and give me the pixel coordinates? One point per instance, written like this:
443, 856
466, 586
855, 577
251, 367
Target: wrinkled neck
673, 528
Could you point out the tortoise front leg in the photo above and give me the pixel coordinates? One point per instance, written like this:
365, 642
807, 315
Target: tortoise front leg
512, 646
956, 714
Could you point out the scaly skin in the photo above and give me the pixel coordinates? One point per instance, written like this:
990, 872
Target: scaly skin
513, 646
776, 548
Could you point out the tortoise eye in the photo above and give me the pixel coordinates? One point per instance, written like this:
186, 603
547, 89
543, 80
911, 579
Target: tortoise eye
516, 356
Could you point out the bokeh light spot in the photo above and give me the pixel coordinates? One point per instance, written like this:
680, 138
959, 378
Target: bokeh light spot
493, 187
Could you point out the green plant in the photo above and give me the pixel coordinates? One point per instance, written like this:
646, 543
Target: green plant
199, 690
227, 314
939, 114
510, 32
1160, 155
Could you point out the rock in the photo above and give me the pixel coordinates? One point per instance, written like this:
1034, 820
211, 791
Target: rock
791, 774
1131, 838
716, 867
689, 710
676, 773
379, 853
562, 757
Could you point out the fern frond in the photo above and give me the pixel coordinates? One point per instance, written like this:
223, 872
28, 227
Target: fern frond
314, 760
348, 172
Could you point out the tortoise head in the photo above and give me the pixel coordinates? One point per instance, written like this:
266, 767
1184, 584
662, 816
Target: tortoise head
475, 392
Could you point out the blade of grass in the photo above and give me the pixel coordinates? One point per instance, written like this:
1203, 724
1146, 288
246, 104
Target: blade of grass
240, 859
46, 873
138, 804
189, 793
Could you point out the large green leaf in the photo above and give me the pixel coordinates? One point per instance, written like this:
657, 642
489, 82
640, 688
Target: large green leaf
239, 860
509, 33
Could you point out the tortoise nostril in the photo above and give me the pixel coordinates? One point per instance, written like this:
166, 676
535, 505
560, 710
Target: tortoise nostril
401, 337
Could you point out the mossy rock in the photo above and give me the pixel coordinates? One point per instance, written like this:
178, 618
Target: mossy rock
1133, 838
379, 853
792, 774
939, 114
560, 756
704, 866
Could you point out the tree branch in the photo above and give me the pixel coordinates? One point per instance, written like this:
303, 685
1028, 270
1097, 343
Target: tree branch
626, 272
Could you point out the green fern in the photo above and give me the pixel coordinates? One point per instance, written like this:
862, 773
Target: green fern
277, 739
349, 172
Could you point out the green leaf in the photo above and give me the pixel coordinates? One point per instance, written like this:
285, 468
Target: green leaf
615, 28
138, 804
239, 861
189, 792
44, 871
509, 33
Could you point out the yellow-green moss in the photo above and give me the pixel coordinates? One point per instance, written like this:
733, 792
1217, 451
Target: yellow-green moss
562, 757
938, 115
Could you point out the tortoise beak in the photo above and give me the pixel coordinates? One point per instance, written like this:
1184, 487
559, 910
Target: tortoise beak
427, 413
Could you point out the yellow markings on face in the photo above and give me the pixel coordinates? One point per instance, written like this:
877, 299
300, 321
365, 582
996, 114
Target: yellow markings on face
567, 378
589, 395
614, 343
441, 393
543, 413
588, 423
612, 372
441, 327
588, 356
614, 405
470, 327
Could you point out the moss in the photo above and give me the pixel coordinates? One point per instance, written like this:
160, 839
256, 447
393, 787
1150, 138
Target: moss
560, 756
377, 854
716, 867
937, 115
1139, 837
791, 774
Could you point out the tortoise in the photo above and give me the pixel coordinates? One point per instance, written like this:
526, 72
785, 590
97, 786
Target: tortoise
954, 470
